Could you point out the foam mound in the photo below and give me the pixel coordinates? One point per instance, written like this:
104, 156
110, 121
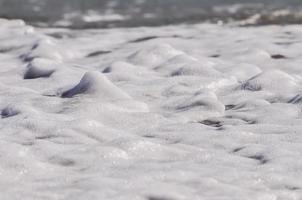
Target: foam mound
201, 106
274, 81
254, 54
40, 68
244, 71
43, 48
184, 65
46, 47
96, 84
124, 71
154, 55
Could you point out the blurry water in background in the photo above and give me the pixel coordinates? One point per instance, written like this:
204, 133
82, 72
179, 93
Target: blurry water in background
113, 13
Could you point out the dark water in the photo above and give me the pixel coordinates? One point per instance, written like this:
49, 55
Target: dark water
150, 12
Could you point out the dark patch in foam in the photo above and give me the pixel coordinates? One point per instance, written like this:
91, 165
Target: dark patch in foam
33, 73
107, 70
62, 161
5, 50
9, 112
50, 95
45, 137
158, 198
191, 106
292, 188
8, 49
251, 87
30, 75
60, 35
149, 136
177, 73
250, 121
230, 107
74, 91
26, 58
143, 39
215, 56
278, 56
260, 158
71, 93
284, 43
173, 141
288, 33
35, 46
29, 143
222, 128
297, 99
238, 149
212, 123
97, 53
90, 80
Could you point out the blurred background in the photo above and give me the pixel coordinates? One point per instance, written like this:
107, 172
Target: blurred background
131, 13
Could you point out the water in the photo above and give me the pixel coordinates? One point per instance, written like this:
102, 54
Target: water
112, 13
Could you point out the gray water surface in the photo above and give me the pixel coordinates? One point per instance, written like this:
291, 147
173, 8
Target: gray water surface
151, 12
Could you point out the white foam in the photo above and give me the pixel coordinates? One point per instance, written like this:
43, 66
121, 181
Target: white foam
196, 112
244, 71
154, 55
184, 65
124, 71
198, 107
274, 81
96, 84
40, 68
